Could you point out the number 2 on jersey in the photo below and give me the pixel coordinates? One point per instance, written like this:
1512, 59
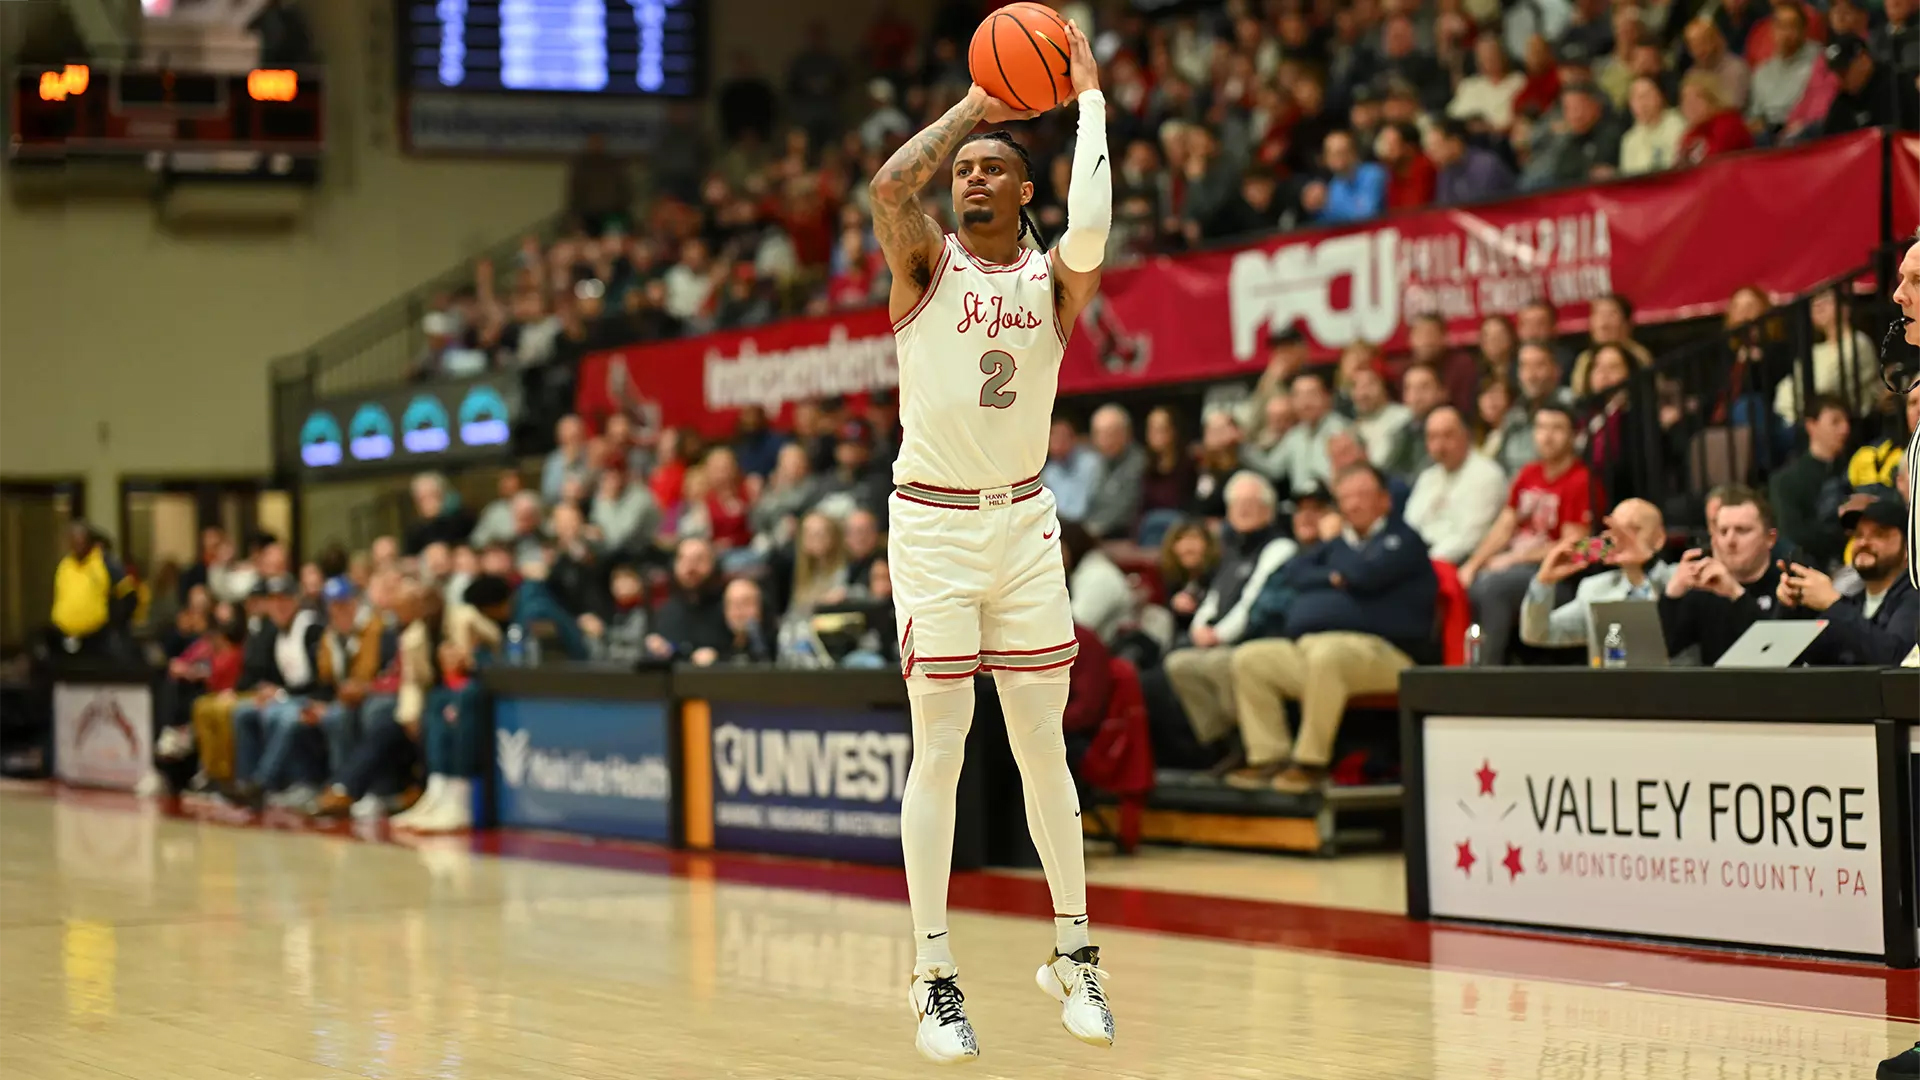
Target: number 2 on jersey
998, 367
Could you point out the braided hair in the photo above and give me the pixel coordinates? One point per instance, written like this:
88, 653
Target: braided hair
1027, 227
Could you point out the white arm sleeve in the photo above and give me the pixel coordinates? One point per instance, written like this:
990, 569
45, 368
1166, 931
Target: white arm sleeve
1090, 192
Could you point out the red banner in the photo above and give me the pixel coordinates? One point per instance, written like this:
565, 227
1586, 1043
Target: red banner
1677, 245
1906, 185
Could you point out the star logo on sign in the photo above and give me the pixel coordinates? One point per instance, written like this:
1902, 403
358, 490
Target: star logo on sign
1485, 776
1515, 867
1463, 859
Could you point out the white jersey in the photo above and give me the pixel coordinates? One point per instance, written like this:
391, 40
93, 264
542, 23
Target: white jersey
979, 360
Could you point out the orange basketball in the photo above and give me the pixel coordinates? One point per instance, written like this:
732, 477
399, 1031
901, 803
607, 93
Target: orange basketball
1019, 55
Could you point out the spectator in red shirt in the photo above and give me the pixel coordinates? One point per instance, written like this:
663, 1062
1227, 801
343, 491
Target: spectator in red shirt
729, 496
1551, 500
859, 281
1542, 89
1410, 176
677, 447
808, 218
1713, 126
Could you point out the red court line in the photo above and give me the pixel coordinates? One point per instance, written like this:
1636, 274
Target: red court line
1806, 984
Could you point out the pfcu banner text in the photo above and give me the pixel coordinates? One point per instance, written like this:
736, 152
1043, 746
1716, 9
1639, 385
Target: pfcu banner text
1677, 245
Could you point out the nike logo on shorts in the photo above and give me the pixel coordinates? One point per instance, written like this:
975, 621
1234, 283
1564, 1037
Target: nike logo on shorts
1048, 535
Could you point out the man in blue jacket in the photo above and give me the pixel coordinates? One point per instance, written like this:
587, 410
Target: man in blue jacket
1362, 612
1354, 190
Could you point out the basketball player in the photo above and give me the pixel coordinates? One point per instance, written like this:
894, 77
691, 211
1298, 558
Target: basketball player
981, 323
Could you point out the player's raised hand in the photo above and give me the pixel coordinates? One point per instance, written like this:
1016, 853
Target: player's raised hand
996, 111
1081, 66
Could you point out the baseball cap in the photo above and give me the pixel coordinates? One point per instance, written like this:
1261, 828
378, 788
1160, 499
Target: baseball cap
1319, 494
487, 590
1398, 87
1843, 50
1575, 54
339, 589
1886, 512
1585, 87
857, 430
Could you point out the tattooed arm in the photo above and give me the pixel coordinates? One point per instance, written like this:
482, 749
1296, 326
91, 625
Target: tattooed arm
908, 237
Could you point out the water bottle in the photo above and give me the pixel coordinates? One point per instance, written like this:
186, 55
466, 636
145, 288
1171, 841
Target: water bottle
516, 646
1472, 650
1613, 649
532, 651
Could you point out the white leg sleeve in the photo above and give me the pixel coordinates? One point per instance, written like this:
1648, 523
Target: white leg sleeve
1034, 708
1090, 191
940, 721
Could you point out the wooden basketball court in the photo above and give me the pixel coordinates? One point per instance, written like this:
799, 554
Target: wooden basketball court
133, 944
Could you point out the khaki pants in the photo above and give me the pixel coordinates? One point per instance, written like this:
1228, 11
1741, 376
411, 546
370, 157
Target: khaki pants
213, 731
1320, 671
1203, 681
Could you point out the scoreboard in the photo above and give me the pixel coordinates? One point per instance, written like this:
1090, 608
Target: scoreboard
266, 115
651, 48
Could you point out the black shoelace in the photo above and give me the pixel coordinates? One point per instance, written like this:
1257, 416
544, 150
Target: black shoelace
1090, 977
943, 1000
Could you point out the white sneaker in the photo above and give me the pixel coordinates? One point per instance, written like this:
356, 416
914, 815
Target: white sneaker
368, 808
944, 1036
174, 743
430, 798
453, 813
1074, 981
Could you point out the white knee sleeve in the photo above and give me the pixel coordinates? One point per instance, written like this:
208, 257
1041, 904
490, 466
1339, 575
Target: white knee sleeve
942, 715
1034, 704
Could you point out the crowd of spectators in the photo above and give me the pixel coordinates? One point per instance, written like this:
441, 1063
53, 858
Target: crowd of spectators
1245, 119
1309, 561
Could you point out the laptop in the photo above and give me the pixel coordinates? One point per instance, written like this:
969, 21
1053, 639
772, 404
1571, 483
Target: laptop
1772, 644
1639, 627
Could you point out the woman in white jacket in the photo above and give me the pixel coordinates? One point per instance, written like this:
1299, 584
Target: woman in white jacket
1103, 601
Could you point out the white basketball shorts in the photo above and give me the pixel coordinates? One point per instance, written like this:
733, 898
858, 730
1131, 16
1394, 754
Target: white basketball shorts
978, 582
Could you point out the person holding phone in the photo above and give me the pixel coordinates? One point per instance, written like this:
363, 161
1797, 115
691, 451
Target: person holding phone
1713, 597
1630, 549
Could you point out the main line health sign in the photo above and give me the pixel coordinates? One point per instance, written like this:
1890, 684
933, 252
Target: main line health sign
593, 767
1756, 834
1677, 244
